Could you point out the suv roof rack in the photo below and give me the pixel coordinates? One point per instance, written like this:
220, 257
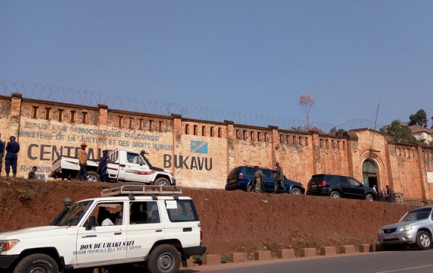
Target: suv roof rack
131, 190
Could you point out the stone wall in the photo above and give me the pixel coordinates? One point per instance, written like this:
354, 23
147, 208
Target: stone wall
201, 153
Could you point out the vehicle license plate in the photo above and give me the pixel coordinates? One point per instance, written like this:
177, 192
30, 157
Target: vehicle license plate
313, 186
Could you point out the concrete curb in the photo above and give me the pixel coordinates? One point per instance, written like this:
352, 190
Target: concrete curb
328, 251
308, 252
211, 259
265, 255
238, 257
262, 255
347, 249
286, 254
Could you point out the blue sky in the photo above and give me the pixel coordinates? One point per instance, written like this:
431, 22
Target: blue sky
243, 56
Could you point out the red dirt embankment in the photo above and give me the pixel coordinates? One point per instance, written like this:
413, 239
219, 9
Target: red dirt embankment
231, 220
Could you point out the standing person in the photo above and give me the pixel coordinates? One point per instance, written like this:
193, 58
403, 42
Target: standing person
388, 194
258, 178
2, 152
103, 166
12, 149
82, 161
279, 178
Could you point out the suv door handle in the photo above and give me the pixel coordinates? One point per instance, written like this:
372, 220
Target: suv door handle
158, 230
187, 229
89, 236
117, 233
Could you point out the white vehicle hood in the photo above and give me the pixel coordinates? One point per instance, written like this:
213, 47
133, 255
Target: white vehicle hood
37, 232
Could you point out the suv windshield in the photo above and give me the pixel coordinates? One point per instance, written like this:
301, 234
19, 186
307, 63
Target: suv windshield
72, 215
417, 214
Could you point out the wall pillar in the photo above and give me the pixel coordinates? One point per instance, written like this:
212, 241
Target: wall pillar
317, 167
275, 141
422, 172
103, 114
352, 151
390, 180
102, 123
231, 160
15, 115
177, 137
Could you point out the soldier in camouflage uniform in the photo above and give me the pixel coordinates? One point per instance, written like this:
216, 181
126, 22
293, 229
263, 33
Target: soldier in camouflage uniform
258, 179
279, 178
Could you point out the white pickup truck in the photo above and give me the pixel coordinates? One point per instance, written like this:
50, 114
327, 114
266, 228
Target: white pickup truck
123, 165
146, 224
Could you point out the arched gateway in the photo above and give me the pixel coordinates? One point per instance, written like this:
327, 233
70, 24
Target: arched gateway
370, 173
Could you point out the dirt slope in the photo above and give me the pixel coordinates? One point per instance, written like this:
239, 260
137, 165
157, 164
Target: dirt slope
231, 221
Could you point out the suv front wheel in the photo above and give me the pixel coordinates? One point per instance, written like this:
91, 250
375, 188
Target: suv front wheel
37, 263
164, 259
423, 240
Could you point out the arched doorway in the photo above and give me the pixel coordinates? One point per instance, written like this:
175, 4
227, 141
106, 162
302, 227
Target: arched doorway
369, 173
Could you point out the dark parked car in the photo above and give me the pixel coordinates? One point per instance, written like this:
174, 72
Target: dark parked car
242, 177
338, 186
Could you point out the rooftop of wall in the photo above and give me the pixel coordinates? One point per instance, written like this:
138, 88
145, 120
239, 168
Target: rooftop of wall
126, 112
387, 137
367, 129
5, 97
60, 104
201, 121
252, 127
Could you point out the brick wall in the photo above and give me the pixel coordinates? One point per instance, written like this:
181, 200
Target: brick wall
201, 153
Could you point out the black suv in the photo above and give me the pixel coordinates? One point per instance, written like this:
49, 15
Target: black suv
242, 177
338, 186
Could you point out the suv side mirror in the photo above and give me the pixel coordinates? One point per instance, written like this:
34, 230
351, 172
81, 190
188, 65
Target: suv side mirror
90, 223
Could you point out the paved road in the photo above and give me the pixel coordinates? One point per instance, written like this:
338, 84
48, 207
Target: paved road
404, 261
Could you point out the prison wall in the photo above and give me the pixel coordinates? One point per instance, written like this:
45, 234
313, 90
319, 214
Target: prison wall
201, 153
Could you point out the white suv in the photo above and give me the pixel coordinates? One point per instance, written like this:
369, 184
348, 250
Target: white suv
128, 224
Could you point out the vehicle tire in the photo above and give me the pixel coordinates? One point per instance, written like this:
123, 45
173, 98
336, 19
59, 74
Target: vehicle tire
296, 191
92, 176
369, 197
335, 194
164, 259
37, 263
162, 181
250, 188
423, 240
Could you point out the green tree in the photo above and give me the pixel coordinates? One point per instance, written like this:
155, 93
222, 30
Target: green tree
419, 118
399, 132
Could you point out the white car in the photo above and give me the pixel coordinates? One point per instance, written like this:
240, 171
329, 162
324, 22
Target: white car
123, 165
128, 224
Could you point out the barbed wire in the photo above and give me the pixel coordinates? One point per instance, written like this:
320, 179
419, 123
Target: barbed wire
56, 93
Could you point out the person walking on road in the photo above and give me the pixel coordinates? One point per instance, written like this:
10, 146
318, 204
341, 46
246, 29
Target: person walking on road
258, 179
82, 161
279, 178
12, 149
